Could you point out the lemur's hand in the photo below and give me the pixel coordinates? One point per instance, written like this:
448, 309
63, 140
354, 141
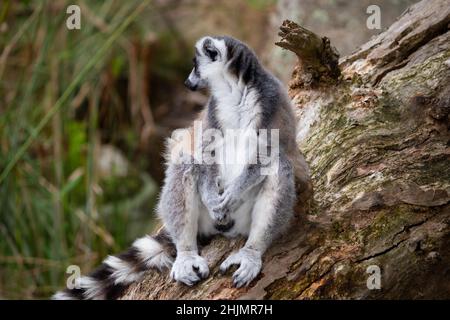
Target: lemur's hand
189, 268
249, 262
229, 201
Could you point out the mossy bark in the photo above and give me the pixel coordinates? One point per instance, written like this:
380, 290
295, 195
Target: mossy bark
377, 141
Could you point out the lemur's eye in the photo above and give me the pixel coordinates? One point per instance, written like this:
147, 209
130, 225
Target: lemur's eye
211, 53
209, 50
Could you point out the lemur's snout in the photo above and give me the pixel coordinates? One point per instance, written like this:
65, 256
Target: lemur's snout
190, 85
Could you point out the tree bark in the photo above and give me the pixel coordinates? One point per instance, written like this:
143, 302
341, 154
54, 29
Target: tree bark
377, 141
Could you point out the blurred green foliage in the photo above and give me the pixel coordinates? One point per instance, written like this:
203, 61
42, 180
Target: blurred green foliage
261, 4
55, 210
57, 206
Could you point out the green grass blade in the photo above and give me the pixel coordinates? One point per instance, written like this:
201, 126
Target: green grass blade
72, 86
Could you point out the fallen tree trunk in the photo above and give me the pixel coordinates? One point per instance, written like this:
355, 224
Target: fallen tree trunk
376, 136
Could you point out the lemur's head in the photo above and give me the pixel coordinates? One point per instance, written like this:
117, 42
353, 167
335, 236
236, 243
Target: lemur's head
221, 57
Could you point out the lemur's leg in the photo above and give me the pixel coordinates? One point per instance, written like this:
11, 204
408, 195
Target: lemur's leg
270, 217
208, 186
179, 209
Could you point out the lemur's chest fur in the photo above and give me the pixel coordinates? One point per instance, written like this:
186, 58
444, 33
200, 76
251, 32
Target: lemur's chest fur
238, 113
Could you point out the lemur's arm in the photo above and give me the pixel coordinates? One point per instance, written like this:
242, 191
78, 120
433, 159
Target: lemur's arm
251, 176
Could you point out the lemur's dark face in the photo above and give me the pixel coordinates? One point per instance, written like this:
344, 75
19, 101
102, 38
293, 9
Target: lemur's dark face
209, 63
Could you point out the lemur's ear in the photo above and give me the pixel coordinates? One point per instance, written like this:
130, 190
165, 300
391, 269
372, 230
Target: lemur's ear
210, 50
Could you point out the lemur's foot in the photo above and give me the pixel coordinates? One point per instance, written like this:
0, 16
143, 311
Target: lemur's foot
189, 268
249, 262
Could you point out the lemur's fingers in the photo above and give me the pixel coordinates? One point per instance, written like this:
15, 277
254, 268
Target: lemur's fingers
189, 280
249, 262
228, 262
201, 268
189, 268
221, 206
184, 274
227, 204
245, 274
225, 197
220, 213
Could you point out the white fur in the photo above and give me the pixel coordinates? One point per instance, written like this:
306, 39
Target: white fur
205, 222
183, 268
192, 76
237, 109
93, 289
242, 216
62, 296
147, 246
160, 261
249, 262
152, 253
187, 240
123, 272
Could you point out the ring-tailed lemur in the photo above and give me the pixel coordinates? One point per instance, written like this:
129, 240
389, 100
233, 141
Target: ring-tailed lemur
200, 199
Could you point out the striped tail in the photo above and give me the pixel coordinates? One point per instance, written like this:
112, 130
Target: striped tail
116, 273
